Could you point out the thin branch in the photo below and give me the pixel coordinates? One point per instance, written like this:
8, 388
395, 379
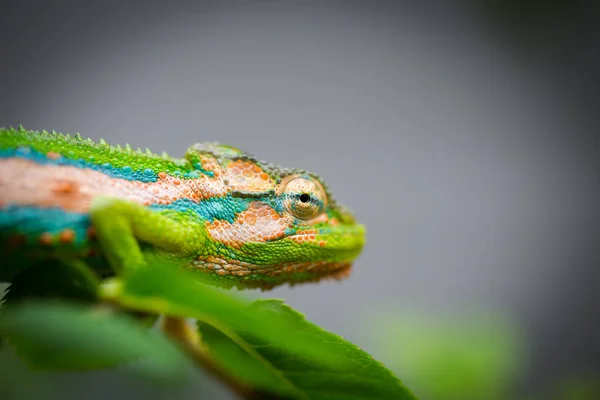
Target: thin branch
188, 337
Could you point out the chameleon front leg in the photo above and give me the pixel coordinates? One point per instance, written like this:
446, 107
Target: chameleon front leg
120, 225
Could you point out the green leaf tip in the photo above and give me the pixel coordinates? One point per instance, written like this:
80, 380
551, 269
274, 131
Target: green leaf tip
289, 372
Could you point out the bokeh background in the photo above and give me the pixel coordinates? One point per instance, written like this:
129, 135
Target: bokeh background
463, 135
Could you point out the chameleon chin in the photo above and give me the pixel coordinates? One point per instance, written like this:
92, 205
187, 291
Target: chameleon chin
240, 221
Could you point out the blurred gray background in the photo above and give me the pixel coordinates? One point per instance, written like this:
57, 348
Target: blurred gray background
463, 135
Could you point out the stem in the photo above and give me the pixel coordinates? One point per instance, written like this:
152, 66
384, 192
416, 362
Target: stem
177, 328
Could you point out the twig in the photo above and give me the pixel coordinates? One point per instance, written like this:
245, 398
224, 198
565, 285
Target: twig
178, 329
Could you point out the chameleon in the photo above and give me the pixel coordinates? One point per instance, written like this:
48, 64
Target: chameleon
240, 221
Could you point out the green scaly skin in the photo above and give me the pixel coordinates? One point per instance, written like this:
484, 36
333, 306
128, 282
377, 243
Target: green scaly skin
219, 211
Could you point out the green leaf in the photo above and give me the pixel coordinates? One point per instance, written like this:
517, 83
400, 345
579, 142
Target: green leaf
265, 344
174, 292
63, 336
278, 369
245, 364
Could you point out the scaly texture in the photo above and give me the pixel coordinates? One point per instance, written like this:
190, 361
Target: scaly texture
244, 222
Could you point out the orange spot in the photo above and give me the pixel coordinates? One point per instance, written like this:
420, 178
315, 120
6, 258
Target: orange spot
53, 155
162, 175
64, 187
176, 182
322, 243
250, 218
67, 236
264, 176
46, 239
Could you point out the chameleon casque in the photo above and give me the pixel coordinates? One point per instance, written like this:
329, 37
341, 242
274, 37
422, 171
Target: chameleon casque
219, 211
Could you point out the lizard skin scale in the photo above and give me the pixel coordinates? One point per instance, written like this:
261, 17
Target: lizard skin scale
241, 221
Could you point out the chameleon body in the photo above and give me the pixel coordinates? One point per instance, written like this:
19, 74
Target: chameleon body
217, 210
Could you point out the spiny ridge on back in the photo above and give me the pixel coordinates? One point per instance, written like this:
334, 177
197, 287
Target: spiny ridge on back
21, 135
44, 145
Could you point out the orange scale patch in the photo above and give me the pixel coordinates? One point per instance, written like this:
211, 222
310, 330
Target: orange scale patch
249, 218
304, 236
210, 164
257, 224
307, 232
246, 176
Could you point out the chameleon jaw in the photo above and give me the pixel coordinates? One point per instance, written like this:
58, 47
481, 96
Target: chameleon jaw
229, 273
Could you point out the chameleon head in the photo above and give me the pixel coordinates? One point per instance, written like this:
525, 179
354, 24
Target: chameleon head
278, 226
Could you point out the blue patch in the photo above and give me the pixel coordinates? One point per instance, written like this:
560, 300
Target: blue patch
125, 172
32, 222
222, 208
276, 204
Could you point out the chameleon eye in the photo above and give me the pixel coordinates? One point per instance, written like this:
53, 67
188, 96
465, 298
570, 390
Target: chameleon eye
303, 197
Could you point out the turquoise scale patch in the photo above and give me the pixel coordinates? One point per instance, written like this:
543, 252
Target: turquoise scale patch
199, 167
218, 208
126, 172
290, 231
221, 208
33, 221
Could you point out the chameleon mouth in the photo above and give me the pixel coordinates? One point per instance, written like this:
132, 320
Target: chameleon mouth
341, 242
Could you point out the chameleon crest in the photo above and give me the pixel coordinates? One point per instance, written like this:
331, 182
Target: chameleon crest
242, 221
